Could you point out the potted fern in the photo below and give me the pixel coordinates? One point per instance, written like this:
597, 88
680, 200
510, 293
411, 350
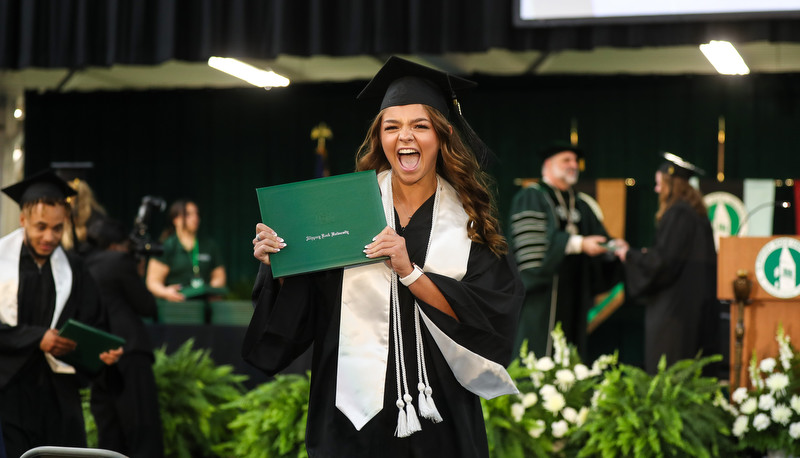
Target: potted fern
191, 389
270, 420
676, 412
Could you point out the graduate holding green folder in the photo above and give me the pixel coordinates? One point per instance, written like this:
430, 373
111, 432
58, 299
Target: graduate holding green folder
403, 348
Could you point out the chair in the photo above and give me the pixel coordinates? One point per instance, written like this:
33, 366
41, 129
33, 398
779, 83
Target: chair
48, 451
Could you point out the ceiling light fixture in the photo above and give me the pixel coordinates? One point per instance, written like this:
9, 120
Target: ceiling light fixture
724, 57
252, 75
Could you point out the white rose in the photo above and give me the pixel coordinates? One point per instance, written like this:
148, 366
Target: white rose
766, 402
517, 411
739, 395
545, 364
794, 430
529, 399
537, 430
581, 371
767, 365
570, 414
559, 428
740, 426
554, 403
749, 406
761, 422
781, 414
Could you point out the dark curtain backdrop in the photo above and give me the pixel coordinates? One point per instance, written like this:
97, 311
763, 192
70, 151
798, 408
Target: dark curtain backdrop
80, 33
217, 146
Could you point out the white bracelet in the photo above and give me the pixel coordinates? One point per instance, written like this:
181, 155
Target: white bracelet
412, 277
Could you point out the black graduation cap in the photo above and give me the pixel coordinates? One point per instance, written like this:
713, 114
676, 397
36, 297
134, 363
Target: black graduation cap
676, 166
43, 185
402, 82
558, 146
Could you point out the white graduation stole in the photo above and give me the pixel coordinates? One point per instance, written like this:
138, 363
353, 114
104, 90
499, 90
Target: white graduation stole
365, 324
10, 247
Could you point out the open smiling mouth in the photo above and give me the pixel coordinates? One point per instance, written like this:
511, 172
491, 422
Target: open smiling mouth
409, 159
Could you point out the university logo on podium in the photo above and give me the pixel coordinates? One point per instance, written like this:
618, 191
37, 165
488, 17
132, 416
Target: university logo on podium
776, 267
727, 214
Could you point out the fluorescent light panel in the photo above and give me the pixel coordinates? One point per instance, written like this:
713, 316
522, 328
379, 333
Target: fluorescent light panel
724, 57
246, 72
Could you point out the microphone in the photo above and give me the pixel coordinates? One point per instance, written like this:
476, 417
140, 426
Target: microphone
776, 204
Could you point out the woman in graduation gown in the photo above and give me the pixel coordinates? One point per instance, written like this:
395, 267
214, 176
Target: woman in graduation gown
379, 388
676, 279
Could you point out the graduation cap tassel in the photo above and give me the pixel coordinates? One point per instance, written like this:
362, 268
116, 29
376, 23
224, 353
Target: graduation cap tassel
482, 152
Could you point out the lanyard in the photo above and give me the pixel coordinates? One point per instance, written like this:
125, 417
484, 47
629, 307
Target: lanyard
196, 258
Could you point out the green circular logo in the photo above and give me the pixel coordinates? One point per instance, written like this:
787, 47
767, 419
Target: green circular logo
727, 214
776, 267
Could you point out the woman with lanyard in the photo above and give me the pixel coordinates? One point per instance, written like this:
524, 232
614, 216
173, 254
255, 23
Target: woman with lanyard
187, 260
403, 348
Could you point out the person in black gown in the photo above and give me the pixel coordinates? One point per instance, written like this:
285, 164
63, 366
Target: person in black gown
676, 279
449, 267
41, 286
126, 413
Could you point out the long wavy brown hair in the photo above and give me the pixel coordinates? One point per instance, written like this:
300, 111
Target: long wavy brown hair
456, 164
674, 189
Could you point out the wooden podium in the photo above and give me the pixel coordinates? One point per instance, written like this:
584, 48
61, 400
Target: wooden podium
763, 314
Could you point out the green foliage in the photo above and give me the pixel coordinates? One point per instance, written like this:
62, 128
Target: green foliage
670, 414
270, 420
88, 419
191, 389
552, 404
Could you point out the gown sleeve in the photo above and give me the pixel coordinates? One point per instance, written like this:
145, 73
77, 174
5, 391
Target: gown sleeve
539, 247
487, 302
281, 328
650, 270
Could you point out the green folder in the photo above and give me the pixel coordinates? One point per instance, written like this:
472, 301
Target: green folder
325, 222
190, 292
91, 342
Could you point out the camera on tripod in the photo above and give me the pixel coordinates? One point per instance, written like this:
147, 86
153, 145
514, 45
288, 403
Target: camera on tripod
142, 244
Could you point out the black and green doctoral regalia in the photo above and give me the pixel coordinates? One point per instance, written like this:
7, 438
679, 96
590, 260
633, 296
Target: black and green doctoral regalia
676, 280
306, 309
38, 406
554, 281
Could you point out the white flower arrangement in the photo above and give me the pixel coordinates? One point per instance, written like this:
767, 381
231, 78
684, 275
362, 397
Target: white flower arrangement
555, 398
768, 416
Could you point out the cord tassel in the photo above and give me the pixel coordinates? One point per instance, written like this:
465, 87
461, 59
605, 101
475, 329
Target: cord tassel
433, 415
412, 421
402, 423
424, 408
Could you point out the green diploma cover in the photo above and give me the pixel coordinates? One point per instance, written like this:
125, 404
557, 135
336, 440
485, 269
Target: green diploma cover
325, 222
91, 342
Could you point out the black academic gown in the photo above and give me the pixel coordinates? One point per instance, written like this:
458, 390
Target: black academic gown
539, 240
306, 309
38, 406
676, 280
127, 414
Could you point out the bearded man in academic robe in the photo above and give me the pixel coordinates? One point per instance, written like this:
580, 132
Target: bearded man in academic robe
41, 286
